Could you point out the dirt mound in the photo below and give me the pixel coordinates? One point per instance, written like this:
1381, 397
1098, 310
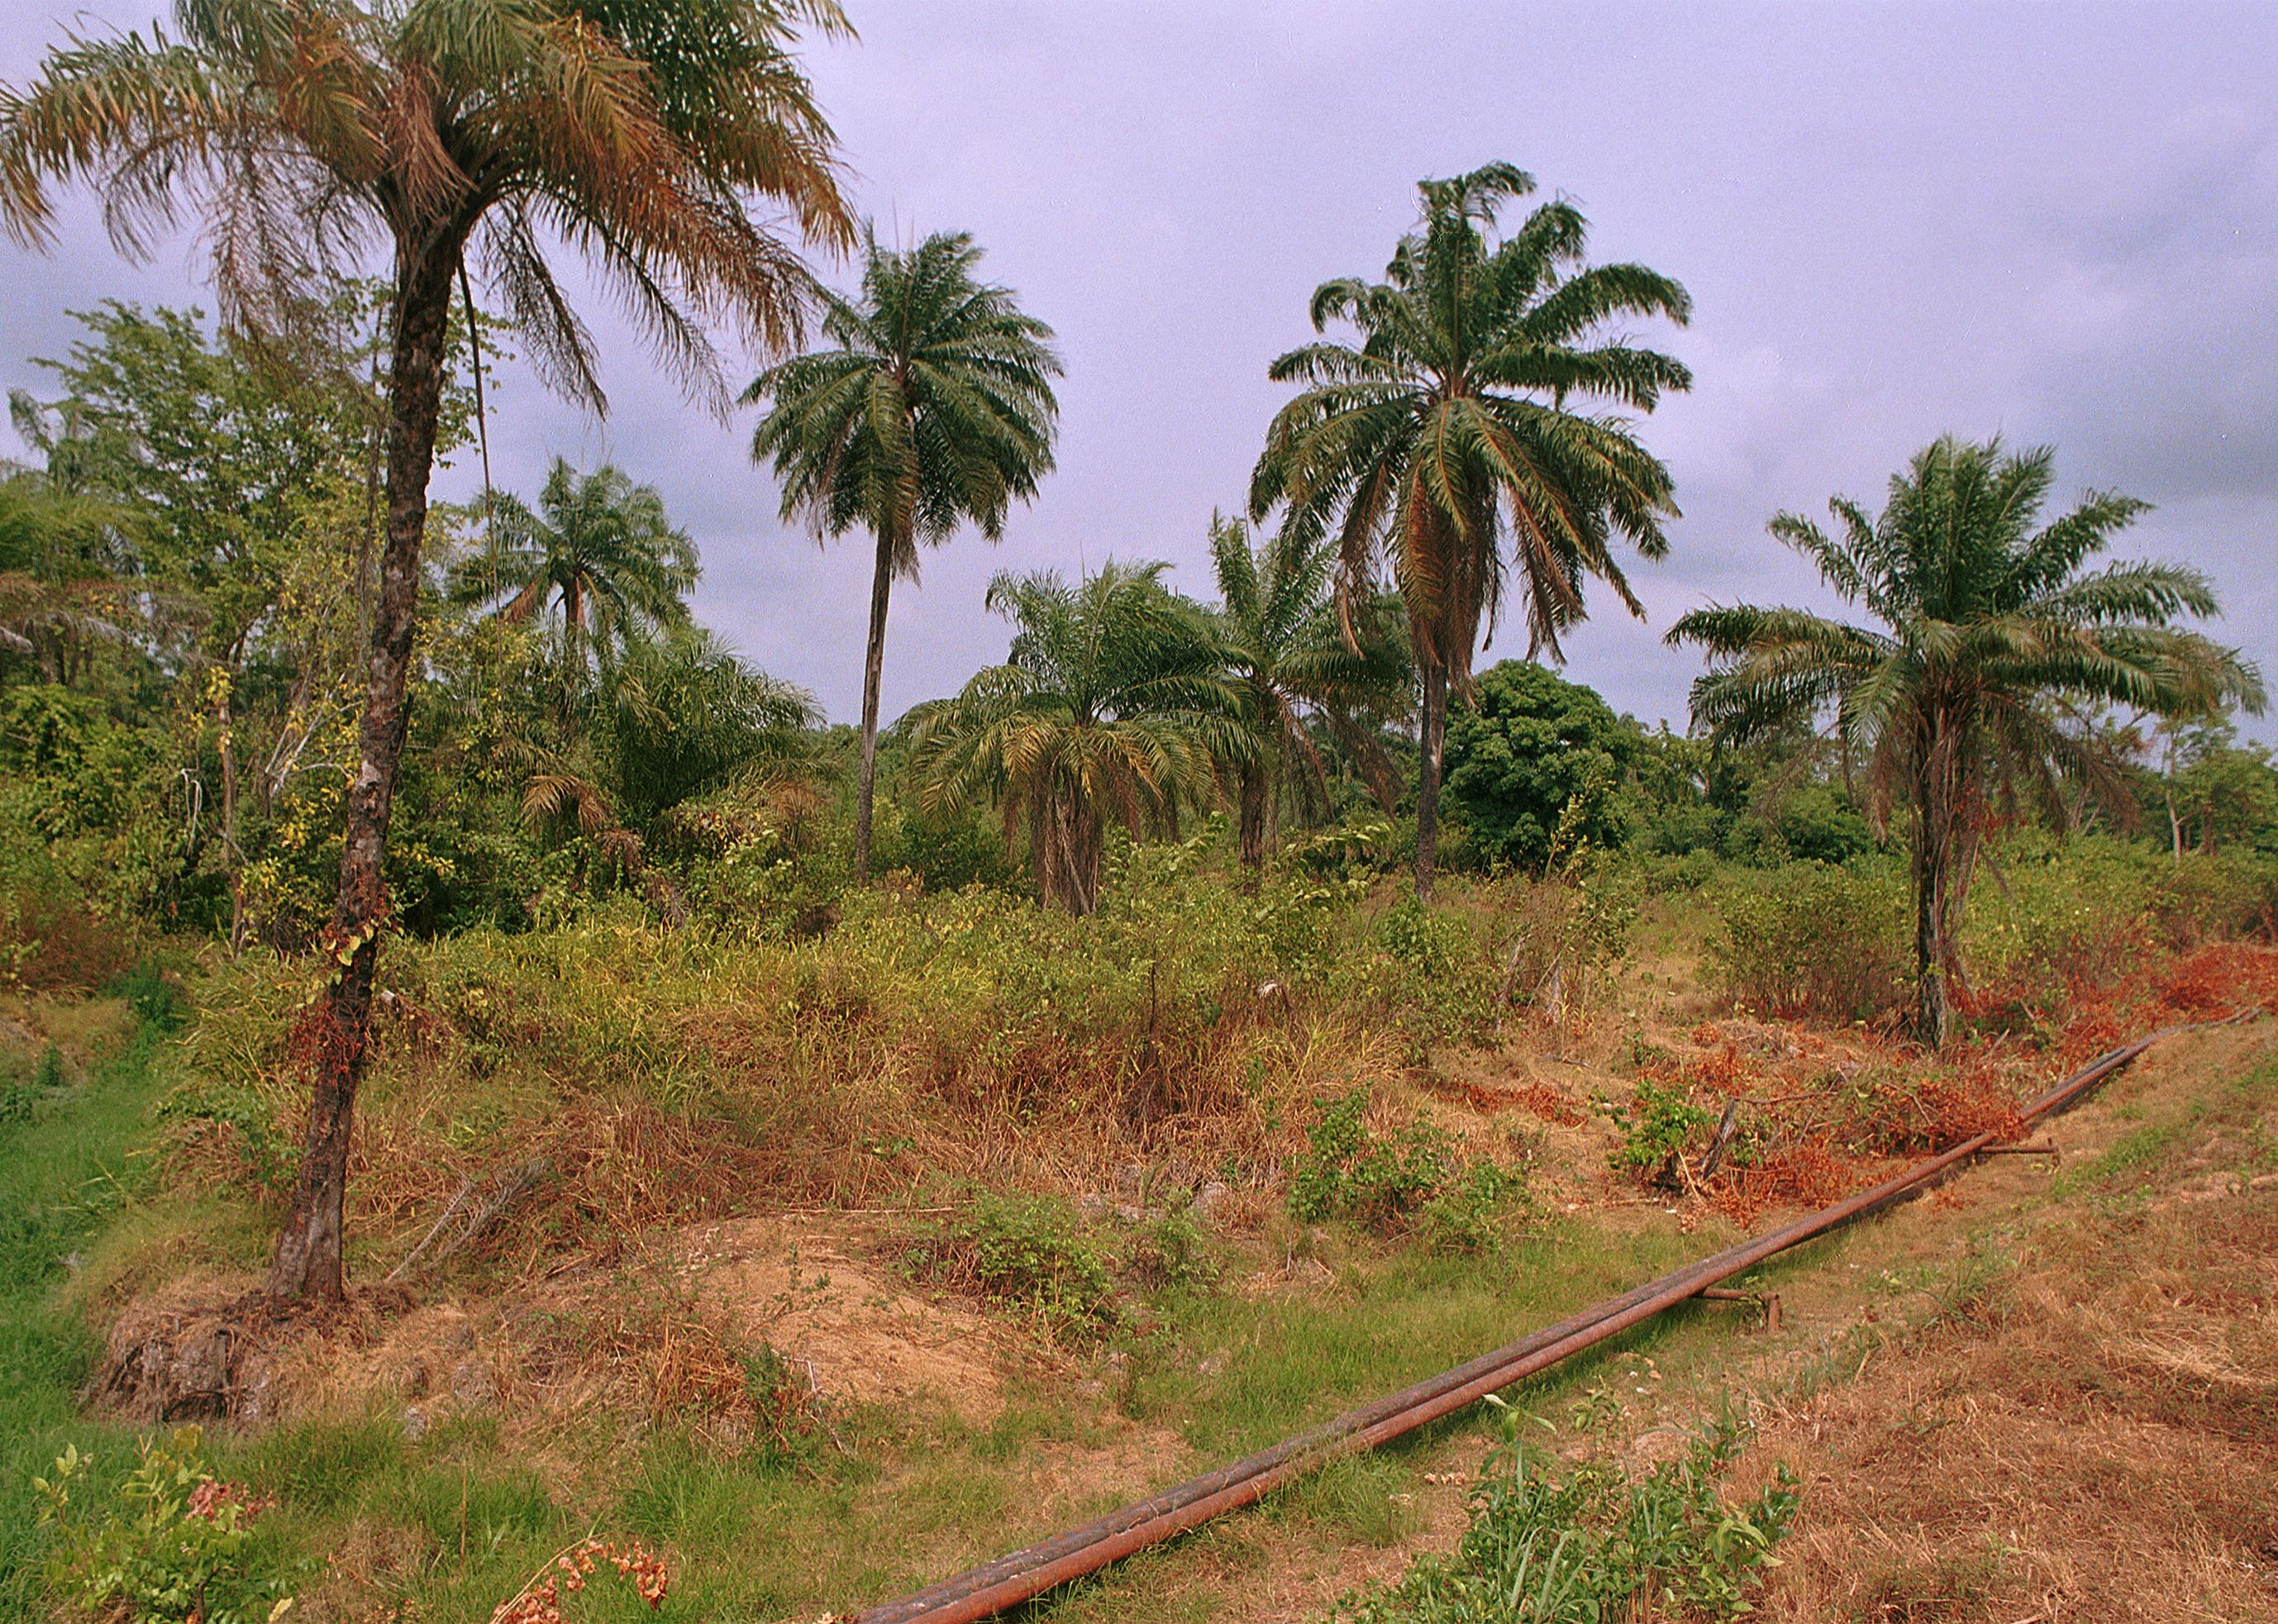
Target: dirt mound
816, 1291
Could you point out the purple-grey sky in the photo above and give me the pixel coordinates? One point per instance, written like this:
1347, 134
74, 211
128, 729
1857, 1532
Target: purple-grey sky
2060, 223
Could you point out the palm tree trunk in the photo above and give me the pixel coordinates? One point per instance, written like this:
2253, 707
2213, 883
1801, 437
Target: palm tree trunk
1253, 815
1427, 777
874, 665
332, 1039
1931, 861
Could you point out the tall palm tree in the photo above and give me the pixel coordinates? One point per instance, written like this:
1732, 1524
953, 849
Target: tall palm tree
933, 410
599, 549
1989, 630
1445, 434
307, 131
1280, 642
1109, 706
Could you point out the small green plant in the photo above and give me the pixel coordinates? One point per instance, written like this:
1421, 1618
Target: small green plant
175, 1542
786, 1428
1467, 1218
1554, 1546
47, 1075
1658, 1121
1025, 1253
1351, 1172
1172, 1254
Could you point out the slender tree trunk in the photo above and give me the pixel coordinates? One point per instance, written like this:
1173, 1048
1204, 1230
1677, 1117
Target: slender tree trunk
332, 1038
1932, 853
1427, 778
874, 665
225, 715
1253, 815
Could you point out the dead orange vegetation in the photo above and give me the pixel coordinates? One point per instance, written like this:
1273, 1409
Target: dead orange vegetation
2097, 1438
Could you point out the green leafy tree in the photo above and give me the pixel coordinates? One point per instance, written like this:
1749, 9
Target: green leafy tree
1534, 759
933, 409
1988, 629
597, 550
1281, 645
1108, 708
1446, 438
64, 589
635, 130
2217, 792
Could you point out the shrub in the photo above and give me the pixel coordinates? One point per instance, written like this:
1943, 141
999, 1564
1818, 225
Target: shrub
1808, 939
174, 1543
1172, 1254
1023, 1252
1658, 1121
1535, 764
1348, 1171
1554, 1546
1467, 1218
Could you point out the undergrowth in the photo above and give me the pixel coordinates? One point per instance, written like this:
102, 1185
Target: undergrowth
1550, 1543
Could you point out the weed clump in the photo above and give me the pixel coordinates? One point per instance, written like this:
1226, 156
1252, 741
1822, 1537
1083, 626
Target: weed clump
173, 1545
1025, 1253
1411, 1178
1548, 1545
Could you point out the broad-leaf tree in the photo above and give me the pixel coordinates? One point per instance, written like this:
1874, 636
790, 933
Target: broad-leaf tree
1988, 629
597, 550
933, 409
1450, 437
1280, 643
1110, 707
306, 131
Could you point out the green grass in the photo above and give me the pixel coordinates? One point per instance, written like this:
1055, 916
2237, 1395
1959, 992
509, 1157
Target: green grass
64, 1168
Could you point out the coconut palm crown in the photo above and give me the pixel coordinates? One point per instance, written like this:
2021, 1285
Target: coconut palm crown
1446, 440
598, 550
1990, 635
1109, 707
1280, 644
933, 410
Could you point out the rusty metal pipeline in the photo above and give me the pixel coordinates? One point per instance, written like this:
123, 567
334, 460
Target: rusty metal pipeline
982, 1592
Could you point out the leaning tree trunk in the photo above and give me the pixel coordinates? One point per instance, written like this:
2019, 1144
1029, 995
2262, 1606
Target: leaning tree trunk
874, 665
332, 1037
1427, 777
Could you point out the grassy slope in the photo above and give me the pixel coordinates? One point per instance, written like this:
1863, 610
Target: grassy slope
61, 1172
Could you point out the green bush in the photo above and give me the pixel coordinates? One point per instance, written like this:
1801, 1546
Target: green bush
1549, 1545
174, 1544
1808, 939
1535, 763
1348, 1171
1656, 1126
1025, 1253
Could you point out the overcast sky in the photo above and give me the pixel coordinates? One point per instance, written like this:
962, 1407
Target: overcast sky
2055, 223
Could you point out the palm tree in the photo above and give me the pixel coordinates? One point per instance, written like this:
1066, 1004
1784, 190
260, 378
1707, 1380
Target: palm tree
307, 130
1445, 433
599, 549
1280, 641
935, 409
1988, 630
1109, 706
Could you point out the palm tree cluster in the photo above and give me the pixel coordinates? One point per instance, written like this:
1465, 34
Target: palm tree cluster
1462, 445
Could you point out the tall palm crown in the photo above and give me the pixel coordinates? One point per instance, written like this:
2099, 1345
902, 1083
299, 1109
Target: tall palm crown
598, 549
1443, 440
636, 131
934, 410
1280, 642
1990, 630
1108, 706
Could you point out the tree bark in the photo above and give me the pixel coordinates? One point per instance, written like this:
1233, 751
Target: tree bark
1427, 778
1932, 842
874, 665
331, 1039
1253, 815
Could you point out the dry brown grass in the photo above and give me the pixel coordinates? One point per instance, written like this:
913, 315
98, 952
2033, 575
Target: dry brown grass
2098, 1440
